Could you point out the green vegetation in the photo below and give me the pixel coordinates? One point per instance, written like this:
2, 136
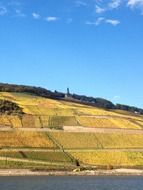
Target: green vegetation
4, 164
11, 154
48, 156
37, 155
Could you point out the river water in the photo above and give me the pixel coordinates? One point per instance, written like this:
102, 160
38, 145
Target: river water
71, 183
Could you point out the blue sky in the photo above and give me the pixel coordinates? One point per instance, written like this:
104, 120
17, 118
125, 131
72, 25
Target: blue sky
92, 46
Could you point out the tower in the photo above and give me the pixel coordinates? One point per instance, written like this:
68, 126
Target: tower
67, 95
68, 91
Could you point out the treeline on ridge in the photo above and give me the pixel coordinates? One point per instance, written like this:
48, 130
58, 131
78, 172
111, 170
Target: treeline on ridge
38, 91
30, 89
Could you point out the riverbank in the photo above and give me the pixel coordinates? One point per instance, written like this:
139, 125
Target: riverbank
27, 172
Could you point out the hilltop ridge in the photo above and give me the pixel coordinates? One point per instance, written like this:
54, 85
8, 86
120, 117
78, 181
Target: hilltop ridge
38, 91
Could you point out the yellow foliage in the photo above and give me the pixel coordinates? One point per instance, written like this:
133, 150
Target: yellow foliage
98, 140
67, 113
100, 122
4, 121
140, 122
114, 158
125, 123
15, 121
25, 139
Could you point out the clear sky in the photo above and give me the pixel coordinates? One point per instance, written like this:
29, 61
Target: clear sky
95, 47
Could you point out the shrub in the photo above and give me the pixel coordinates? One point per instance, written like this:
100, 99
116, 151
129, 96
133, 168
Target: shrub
8, 107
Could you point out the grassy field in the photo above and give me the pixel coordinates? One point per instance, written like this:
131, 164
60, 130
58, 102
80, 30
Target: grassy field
48, 156
6, 164
38, 155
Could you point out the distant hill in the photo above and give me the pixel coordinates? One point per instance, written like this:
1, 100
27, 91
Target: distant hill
38, 91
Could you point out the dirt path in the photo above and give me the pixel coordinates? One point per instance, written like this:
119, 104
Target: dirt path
31, 161
71, 150
101, 130
127, 117
77, 129
115, 172
104, 150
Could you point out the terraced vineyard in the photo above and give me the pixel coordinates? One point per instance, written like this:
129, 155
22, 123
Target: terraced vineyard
38, 155
98, 140
113, 158
25, 139
42, 112
53, 145
8, 164
96, 122
107, 122
125, 123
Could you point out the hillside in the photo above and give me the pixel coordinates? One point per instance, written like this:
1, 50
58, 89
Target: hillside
51, 133
43, 112
92, 101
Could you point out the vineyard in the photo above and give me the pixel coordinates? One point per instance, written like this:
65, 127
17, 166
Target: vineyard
39, 156
25, 139
35, 121
42, 112
114, 158
7, 164
35, 105
98, 140
37, 137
